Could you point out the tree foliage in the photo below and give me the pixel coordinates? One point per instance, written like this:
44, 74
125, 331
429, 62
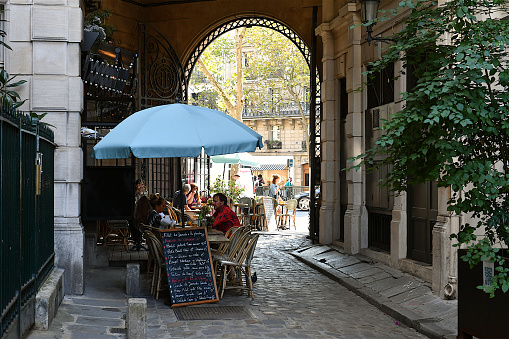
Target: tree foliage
454, 127
278, 67
272, 72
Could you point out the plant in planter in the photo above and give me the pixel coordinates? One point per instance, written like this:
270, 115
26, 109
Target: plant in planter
274, 144
227, 188
96, 22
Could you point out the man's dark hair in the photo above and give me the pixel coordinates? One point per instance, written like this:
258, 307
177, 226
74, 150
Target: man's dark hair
221, 197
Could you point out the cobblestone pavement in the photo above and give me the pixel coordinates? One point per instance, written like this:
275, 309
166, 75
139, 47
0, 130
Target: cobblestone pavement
292, 300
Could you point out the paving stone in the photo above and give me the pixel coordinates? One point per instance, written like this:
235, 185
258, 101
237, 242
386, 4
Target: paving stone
401, 285
356, 268
101, 302
383, 284
343, 262
100, 321
371, 278
89, 335
314, 250
411, 294
327, 256
366, 273
392, 271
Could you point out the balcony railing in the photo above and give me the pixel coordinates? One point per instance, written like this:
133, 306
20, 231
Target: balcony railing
274, 144
265, 110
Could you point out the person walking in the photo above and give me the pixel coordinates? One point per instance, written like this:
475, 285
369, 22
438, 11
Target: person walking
289, 188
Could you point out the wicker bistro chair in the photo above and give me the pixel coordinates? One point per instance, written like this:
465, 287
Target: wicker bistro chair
247, 213
232, 270
221, 250
278, 212
157, 232
160, 265
237, 242
288, 215
259, 214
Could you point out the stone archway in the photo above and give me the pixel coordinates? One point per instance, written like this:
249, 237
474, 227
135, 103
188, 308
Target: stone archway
315, 119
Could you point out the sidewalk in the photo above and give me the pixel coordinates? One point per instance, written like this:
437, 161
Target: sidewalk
402, 296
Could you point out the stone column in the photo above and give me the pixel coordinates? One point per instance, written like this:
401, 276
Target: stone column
45, 36
328, 140
399, 231
354, 131
442, 244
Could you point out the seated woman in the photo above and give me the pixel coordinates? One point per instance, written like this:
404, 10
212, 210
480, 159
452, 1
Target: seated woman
193, 197
156, 217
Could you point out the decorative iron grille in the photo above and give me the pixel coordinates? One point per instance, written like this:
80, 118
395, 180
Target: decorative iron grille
162, 76
237, 23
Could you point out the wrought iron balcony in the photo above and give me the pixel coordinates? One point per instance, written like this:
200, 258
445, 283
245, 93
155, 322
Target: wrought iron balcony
265, 110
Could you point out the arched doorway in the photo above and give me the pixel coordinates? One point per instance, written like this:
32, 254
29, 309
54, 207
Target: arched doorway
310, 56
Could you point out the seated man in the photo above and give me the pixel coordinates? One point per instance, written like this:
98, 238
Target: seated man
182, 198
224, 217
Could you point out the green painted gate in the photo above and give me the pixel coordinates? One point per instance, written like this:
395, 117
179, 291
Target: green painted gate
26, 213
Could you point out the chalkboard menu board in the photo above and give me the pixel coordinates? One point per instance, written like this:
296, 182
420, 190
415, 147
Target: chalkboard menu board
191, 277
270, 214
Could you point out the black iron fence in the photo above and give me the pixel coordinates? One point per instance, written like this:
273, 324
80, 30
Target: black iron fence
26, 213
286, 192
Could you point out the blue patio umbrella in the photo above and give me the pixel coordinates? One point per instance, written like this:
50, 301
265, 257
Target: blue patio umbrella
177, 130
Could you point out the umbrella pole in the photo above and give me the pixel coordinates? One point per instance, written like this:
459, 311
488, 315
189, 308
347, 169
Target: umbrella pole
182, 210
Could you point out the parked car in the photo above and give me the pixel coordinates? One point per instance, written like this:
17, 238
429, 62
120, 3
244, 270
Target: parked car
303, 199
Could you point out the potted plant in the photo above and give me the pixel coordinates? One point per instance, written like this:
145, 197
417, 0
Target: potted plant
229, 188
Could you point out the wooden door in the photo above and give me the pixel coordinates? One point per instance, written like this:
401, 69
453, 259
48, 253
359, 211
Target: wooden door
422, 216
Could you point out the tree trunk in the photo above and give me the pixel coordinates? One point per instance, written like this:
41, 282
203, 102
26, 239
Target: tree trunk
216, 86
237, 111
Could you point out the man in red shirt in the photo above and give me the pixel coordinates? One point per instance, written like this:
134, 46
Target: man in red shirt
224, 217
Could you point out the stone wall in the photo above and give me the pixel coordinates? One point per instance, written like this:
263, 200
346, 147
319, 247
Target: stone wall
45, 37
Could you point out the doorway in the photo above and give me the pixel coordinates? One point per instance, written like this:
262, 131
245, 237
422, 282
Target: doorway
422, 216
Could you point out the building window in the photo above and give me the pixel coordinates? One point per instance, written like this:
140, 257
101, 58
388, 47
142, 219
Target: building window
275, 133
381, 87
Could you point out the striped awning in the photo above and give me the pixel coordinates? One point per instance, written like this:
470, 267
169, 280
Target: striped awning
270, 167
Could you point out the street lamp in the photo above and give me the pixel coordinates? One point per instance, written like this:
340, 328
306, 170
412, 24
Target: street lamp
369, 11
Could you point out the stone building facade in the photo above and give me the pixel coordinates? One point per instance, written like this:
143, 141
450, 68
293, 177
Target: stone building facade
287, 129
353, 207
45, 37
